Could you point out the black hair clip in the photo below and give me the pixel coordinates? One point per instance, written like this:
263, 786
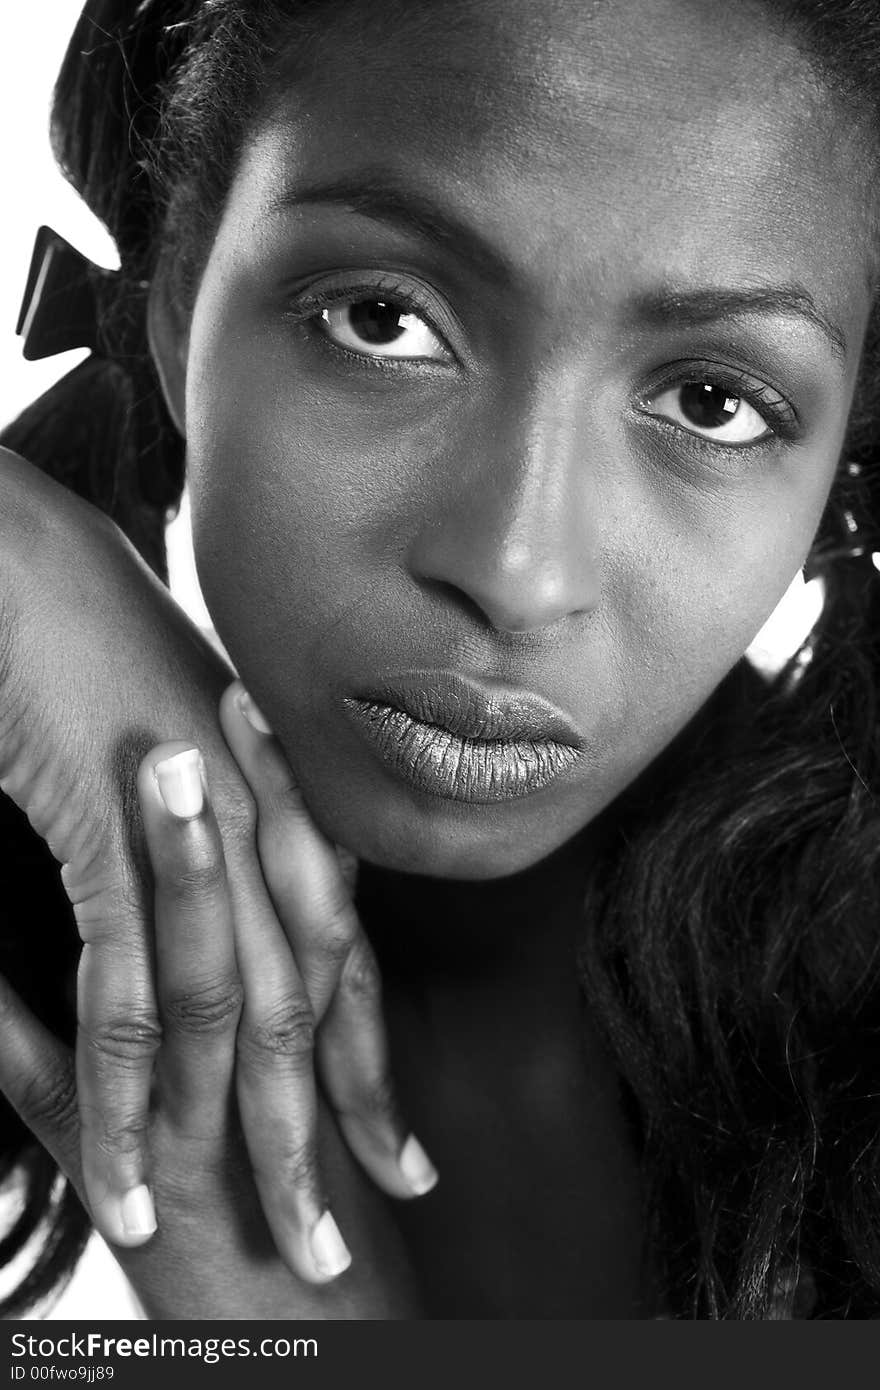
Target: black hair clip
60, 306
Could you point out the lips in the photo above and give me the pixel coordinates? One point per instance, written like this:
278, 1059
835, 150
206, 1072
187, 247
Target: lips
465, 740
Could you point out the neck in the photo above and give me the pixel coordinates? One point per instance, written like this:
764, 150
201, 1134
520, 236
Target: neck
450, 931
501, 1074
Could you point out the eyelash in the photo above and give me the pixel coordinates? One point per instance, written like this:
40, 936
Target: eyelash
780, 417
774, 409
304, 310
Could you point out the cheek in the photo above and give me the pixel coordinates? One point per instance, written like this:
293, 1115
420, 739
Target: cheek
304, 503
689, 599
277, 578
278, 551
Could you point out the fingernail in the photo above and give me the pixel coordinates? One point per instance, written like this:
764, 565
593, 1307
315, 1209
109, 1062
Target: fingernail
416, 1167
252, 713
138, 1212
181, 783
330, 1252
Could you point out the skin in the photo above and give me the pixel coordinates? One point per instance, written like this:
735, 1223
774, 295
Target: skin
200, 983
529, 505
518, 510
520, 507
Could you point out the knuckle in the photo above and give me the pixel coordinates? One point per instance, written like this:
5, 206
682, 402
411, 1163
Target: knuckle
361, 980
129, 1039
124, 1139
279, 818
378, 1100
284, 798
213, 1008
339, 929
201, 875
50, 1100
301, 1167
295, 1161
286, 1032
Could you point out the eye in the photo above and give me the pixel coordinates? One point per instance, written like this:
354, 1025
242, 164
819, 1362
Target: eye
379, 327
711, 411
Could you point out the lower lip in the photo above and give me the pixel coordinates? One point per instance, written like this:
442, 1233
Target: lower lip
479, 771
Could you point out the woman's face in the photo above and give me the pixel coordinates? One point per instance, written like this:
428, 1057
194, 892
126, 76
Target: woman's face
523, 355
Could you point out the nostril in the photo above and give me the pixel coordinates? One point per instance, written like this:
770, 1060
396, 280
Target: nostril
486, 613
457, 599
516, 570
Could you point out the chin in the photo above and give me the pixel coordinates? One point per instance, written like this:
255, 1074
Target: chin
439, 839
454, 862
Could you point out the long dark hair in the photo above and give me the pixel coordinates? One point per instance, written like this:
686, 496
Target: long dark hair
732, 955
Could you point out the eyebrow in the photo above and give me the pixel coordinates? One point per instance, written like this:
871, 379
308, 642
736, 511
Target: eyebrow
378, 196
691, 308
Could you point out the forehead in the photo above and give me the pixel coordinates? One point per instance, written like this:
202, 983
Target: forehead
569, 132
530, 69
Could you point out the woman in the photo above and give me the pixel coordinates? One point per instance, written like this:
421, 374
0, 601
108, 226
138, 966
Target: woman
516, 351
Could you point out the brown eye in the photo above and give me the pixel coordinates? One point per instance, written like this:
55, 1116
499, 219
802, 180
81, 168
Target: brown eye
711, 411
374, 321
706, 406
378, 327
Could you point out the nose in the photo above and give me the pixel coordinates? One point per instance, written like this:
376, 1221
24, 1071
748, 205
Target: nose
514, 531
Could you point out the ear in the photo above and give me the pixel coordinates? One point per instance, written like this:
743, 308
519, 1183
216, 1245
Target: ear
168, 336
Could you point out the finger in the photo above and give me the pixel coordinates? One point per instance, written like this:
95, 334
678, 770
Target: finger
277, 1100
209, 1020
37, 1077
197, 982
116, 1045
299, 864
275, 1078
305, 880
355, 1069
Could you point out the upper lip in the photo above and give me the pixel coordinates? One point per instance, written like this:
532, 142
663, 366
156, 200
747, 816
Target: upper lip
475, 708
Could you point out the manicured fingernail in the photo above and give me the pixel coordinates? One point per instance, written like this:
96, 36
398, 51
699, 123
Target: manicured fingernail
331, 1254
416, 1167
181, 783
252, 713
138, 1212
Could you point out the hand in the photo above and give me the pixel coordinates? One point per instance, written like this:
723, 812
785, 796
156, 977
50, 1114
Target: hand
235, 1020
335, 975
87, 687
